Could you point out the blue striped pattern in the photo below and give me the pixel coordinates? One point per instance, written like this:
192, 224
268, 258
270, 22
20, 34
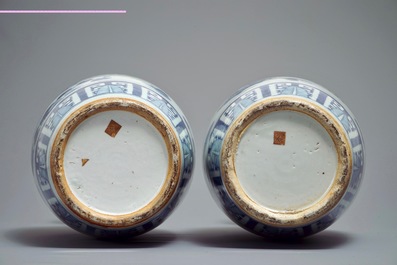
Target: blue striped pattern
251, 95
75, 96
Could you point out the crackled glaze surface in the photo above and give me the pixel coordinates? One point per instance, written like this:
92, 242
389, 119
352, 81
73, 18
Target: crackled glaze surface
89, 162
253, 172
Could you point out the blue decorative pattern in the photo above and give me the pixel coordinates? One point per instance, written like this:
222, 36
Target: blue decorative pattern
89, 89
255, 93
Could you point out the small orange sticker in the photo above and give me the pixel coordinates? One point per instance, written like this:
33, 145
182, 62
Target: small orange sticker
279, 138
113, 128
84, 161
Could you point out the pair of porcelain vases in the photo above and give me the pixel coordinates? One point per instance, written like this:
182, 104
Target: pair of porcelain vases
114, 154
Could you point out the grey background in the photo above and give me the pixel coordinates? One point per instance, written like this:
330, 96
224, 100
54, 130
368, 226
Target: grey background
200, 52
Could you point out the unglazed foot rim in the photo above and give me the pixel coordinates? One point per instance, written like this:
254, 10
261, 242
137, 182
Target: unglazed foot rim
85, 212
288, 217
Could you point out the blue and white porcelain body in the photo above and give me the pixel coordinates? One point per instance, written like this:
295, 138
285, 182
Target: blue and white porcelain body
239, 189
119, 95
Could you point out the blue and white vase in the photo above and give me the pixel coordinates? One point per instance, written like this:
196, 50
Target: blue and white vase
112, 156
284, 158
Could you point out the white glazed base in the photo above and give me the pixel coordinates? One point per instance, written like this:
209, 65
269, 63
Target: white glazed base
290, 175
286, 162
116, 162
115, 174
113, 156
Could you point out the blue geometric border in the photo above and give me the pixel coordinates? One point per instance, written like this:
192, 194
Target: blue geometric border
242, 100
89, 89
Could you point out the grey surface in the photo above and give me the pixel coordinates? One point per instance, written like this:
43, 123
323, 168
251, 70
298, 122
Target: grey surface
200, 52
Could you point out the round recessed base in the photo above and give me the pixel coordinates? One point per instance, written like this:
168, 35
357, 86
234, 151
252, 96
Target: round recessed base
115, 162
287, 162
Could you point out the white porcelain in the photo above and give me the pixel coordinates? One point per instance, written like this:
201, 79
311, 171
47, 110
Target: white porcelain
284, 157
112, 156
